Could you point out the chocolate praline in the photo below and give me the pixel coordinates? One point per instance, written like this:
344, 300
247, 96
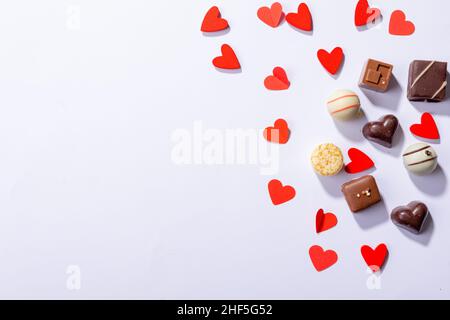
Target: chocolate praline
427, 81
381, 131
361, 193
376, 75
411, 217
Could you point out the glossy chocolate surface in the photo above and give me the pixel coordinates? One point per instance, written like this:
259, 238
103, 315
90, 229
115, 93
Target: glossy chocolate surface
361, 193
381, 131
427, 81
376, 75
410, 217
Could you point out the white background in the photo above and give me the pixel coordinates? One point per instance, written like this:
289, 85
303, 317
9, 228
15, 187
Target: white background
86, 176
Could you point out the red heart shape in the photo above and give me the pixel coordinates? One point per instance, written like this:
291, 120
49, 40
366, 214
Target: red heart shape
279, 133
321, 259
331, 61
228, 60
271, 16
359, 161
399, 26
279, 80
301, 19
325, 221
280, 194
212, 22
374, 258
364, 14
427, 128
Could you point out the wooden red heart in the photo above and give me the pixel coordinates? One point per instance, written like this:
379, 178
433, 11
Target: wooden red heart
427, 128
399, 26
213, 22
280, 194
325, 221
279, 133
321, 259
301, 19
271, 16
228, 59
374, 258
364, 14
278, 81
331, 61
359, 161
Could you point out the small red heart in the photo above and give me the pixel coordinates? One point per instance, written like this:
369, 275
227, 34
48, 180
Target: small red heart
364, 14
427, 128
271, 16
279, 133
212, 22
331, 61
325, 221
399, 26
359, 161
374, 258
301, 19
321, 259
279, 80
280, 194
228, 60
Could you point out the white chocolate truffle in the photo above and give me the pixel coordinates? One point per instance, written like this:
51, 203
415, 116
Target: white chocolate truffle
420, 158
327, 159
343, 105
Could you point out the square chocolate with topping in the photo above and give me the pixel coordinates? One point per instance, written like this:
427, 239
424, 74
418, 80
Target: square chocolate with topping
361, 193
376, 75
427, 81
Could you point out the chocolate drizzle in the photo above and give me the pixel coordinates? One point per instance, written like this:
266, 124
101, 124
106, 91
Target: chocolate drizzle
427, 81
420, 162
415, 151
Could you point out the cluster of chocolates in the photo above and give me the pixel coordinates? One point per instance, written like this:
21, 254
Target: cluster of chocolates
427, 81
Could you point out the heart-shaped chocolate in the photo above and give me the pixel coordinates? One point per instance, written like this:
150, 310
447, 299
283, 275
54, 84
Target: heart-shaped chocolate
411, 217
381, 131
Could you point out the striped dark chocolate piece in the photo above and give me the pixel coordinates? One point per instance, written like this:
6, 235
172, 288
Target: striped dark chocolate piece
427, 81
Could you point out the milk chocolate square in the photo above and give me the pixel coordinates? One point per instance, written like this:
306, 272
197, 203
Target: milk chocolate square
427, 81
361, 193
376, 75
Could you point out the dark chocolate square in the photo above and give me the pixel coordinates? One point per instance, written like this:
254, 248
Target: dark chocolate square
361, 193
376, 75
427, 80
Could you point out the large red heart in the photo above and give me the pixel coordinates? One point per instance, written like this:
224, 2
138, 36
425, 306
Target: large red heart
331, 61
279, 133
212, 22
271, 16
399, 26
321, 259
278, 81
301, 19
325, 221
374, 258
227, 60
427, 128
280, 194
364, 14
359, 161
